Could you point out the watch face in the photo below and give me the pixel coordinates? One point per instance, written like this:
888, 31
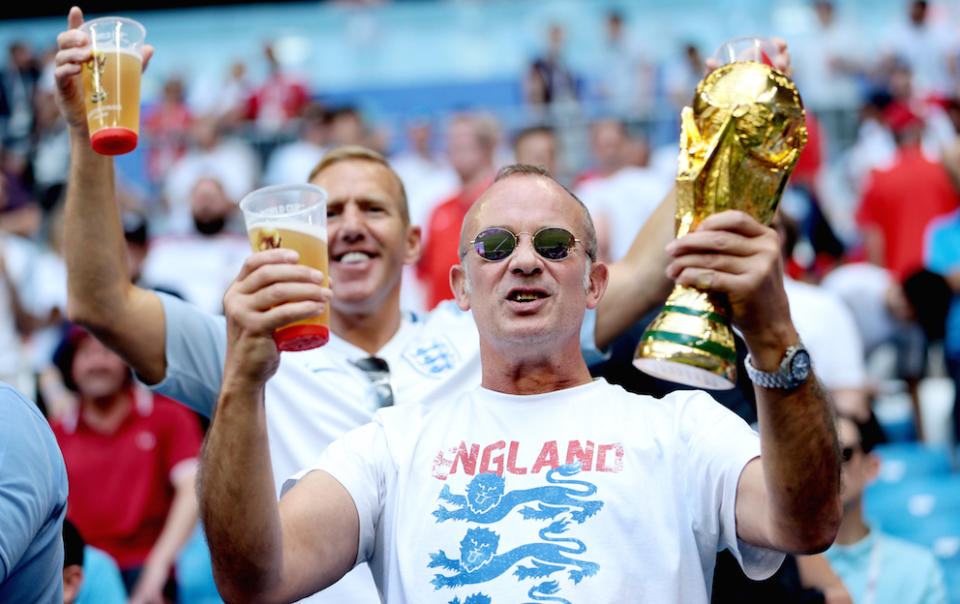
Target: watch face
800, 366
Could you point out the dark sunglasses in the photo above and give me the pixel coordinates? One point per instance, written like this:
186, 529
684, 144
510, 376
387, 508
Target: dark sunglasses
846, 453
378, 372
496, 244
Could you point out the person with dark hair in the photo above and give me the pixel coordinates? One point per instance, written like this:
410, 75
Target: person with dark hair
33, 500
89, 575
131, 457
538, 146
876, 567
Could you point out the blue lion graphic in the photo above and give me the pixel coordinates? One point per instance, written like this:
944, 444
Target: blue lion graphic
479, 561
487, 500
547, 588
477, 598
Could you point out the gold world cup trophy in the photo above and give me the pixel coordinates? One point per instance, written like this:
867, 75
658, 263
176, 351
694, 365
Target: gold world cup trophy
738, 145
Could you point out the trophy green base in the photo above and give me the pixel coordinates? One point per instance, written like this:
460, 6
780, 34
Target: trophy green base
690, 342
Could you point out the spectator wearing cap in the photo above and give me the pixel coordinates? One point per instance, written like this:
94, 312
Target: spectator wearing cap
131, 459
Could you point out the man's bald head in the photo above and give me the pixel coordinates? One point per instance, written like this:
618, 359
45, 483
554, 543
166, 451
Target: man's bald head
469, 228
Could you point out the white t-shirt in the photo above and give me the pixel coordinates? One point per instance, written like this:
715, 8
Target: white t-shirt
626, 199
318, 395
829, 332
589, 494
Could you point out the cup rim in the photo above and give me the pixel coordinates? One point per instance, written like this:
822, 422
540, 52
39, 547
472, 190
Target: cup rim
272, 189
86, 25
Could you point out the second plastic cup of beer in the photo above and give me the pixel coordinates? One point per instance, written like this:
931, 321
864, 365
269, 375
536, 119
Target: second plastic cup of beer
111, 84
293, 217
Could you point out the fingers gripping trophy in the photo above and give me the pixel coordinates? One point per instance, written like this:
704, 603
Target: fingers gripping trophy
739, 142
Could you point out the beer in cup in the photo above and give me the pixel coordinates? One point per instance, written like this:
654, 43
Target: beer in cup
293, 217
111, 84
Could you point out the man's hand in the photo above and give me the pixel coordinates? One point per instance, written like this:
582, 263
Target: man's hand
73, 51
149, 587
731, 252
271, 291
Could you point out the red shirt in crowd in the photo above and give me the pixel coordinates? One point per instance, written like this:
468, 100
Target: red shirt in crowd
440, 253
121, 484
901, 201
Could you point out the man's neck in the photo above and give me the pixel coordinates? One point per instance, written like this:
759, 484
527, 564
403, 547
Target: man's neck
852, 528
504, 372
368, 331
106, 414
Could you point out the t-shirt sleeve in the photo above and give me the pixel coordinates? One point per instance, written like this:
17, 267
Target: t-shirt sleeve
360, 461
181, 438
719, 444
33, 483
196, 348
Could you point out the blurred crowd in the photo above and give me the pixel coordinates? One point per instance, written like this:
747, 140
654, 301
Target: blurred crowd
870, 223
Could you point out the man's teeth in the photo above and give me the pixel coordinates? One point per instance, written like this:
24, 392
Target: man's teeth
353, 257
525, 296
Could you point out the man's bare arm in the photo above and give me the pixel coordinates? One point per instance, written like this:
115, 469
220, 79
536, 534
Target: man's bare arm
789, 498
101, 297
263, 551
637, 282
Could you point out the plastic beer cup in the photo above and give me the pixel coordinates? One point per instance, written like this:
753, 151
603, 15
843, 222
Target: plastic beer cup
111, 84
293, 217
746, 48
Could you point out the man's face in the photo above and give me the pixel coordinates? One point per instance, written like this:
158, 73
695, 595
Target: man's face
368, 240
857, 471
607, 142
525, 298
97, 371
538, 149
468, 155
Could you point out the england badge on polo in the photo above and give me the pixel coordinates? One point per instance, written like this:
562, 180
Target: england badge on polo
433, 357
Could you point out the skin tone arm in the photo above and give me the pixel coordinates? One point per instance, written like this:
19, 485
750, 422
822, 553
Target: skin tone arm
101, 297
815, 572
788, 499
263, 551
179, 525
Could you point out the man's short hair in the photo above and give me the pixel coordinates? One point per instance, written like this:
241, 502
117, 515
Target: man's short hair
73, 545
590, 232
869, 432
359, 153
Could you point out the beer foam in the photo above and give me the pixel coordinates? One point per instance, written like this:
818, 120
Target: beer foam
312, 230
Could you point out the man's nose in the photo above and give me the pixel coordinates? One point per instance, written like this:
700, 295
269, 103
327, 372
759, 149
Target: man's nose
351, 221
525, 259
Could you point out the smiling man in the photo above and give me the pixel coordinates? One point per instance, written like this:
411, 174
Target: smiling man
377, 354
629, 497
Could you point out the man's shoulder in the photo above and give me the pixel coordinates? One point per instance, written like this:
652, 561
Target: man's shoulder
901, 549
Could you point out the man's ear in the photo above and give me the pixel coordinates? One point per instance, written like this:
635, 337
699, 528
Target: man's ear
414, 245
458, 283
597, 284
72, 580
873, 466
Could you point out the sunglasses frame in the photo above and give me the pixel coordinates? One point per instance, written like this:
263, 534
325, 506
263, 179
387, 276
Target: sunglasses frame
516, 243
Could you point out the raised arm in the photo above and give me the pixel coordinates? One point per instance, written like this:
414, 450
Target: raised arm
637, 281
789, 498
101, 297
263, 551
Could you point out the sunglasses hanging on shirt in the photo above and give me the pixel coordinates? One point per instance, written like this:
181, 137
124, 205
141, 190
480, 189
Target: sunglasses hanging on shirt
378, 372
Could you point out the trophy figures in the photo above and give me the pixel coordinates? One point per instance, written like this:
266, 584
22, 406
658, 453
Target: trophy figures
739, 142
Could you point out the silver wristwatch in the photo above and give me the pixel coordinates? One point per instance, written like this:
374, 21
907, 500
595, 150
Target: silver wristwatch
793, 371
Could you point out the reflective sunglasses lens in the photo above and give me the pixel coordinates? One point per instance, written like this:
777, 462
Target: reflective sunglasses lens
846, 454
553, 243
494, 244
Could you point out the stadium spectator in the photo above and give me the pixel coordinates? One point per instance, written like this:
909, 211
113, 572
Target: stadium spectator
292, 162
538, 146
625, 80
131, 460
549, 82
278, 101
929, 49
166, 128
876, 567
471, 141
89, 575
